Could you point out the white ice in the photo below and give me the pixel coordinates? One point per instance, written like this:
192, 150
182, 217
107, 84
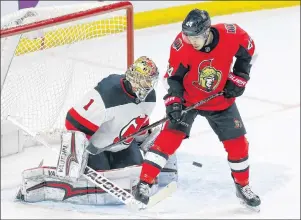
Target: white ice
270, 109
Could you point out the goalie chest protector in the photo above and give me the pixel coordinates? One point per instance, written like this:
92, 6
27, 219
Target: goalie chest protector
122, 113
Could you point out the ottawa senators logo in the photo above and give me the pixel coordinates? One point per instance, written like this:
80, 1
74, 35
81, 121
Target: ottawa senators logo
237, 123
208, 77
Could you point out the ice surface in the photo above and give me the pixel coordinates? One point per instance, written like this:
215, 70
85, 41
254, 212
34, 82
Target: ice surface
270, 108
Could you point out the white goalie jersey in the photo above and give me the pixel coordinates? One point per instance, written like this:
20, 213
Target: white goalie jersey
105, 114
109, 112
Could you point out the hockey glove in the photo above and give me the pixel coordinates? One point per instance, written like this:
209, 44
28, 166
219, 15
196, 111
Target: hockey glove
173, 108
235, 85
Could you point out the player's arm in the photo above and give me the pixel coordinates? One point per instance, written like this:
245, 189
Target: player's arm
82, 122
244, 53
87, 115
177, 69
238, 79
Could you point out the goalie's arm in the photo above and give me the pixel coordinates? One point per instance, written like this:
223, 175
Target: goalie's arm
88, 114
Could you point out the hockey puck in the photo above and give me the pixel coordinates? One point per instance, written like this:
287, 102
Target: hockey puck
197, 164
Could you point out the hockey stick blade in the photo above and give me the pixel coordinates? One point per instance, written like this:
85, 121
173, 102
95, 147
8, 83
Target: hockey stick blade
110, 187
162, 194
95, 150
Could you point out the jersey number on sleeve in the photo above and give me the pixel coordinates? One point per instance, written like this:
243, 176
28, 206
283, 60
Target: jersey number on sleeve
250, 43
169, 70
88, 105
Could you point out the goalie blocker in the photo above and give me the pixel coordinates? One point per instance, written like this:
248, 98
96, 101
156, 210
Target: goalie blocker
65, 183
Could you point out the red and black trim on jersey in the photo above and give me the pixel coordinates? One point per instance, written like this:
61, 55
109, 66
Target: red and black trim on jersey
126, 86
74, 121
114, 92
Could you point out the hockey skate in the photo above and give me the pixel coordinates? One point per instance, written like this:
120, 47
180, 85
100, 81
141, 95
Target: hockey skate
247, 197
142, 192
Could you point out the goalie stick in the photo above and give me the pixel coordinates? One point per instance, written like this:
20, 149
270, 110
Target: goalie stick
95, 150
104, 183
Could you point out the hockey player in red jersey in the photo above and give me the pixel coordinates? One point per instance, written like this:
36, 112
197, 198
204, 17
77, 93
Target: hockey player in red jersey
199, 66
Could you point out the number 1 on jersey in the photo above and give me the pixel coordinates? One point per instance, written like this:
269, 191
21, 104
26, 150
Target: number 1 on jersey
88, 105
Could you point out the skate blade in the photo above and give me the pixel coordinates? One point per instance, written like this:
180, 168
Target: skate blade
252, 208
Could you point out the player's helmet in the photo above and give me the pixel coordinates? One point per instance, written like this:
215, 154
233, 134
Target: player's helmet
143, 76
196, 28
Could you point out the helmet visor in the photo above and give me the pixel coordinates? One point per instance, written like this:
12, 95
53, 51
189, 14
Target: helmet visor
197, 41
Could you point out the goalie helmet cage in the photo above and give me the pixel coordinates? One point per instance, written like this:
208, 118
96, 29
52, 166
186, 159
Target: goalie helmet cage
51, 56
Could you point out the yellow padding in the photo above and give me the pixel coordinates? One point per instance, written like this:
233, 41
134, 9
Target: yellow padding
72, 34
142, 20
215, 8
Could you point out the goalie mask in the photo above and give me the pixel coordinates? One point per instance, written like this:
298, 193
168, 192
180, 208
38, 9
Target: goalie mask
143, 76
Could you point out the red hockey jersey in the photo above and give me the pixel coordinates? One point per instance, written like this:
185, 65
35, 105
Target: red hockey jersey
196, 75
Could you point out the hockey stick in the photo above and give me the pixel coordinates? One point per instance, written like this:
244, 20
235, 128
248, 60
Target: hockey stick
104, 183
95, 150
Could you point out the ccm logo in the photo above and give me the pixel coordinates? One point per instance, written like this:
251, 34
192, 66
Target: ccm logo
237, 80
171, 100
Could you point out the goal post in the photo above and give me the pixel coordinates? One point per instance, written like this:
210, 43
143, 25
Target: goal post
51, 56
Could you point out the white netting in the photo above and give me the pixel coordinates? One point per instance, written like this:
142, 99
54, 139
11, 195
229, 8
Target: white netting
49, 69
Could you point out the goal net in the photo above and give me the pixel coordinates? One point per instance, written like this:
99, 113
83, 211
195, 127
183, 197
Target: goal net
51, 56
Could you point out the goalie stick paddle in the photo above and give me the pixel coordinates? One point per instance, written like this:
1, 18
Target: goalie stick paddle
95, 150
162, 194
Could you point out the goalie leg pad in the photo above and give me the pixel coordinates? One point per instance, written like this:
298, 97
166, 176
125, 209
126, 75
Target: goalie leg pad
73, 157
169, 172
42, 184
